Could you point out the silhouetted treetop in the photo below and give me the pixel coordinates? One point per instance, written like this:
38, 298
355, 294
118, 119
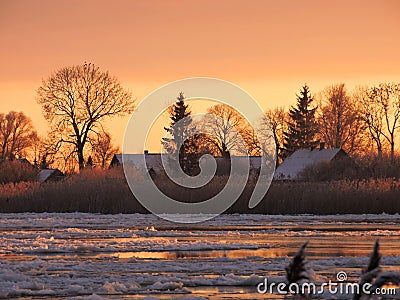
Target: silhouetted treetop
302, 127
76, 100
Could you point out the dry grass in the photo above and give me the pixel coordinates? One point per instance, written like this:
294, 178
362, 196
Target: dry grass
15, 171
334, 197
107, 192
89, 191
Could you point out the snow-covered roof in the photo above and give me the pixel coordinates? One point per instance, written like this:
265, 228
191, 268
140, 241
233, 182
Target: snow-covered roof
154, 161
299, 160
45, 174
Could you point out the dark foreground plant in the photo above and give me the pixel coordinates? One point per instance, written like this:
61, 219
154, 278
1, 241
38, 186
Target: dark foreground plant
297, 272
371, 271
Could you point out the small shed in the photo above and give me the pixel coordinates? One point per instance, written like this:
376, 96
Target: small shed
297, 162
47, 175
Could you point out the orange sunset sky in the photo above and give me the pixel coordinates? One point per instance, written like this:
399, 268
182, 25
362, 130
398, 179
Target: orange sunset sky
269, 48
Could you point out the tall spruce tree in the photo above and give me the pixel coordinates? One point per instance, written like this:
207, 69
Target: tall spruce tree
180, 132
302, 126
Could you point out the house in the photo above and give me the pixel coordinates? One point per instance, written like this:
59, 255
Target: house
154, 162
224, 164
293, 166
24, 161
47, 175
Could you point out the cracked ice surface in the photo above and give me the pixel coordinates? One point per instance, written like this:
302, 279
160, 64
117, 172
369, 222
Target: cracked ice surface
98, 256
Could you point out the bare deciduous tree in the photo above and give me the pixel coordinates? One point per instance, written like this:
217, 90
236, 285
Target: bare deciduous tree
371, 115
103, 148
48, 152
387, 97
340, 125
252, 141
226, 124
277, 119
75, 100
380, 110
16, 135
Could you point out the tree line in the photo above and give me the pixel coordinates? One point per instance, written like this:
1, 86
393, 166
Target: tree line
77, 100
361, 122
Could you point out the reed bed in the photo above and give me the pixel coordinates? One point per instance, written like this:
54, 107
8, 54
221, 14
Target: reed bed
106, 191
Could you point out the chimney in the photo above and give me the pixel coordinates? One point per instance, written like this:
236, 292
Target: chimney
146, 152
321, 146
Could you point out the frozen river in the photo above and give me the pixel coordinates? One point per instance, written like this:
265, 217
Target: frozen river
87, 256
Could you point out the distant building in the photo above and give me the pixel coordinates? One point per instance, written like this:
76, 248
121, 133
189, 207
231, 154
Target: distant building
293, 166
154, 162
47, 175
24, 161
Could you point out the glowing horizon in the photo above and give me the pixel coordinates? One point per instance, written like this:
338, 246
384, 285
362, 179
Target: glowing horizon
268, 48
